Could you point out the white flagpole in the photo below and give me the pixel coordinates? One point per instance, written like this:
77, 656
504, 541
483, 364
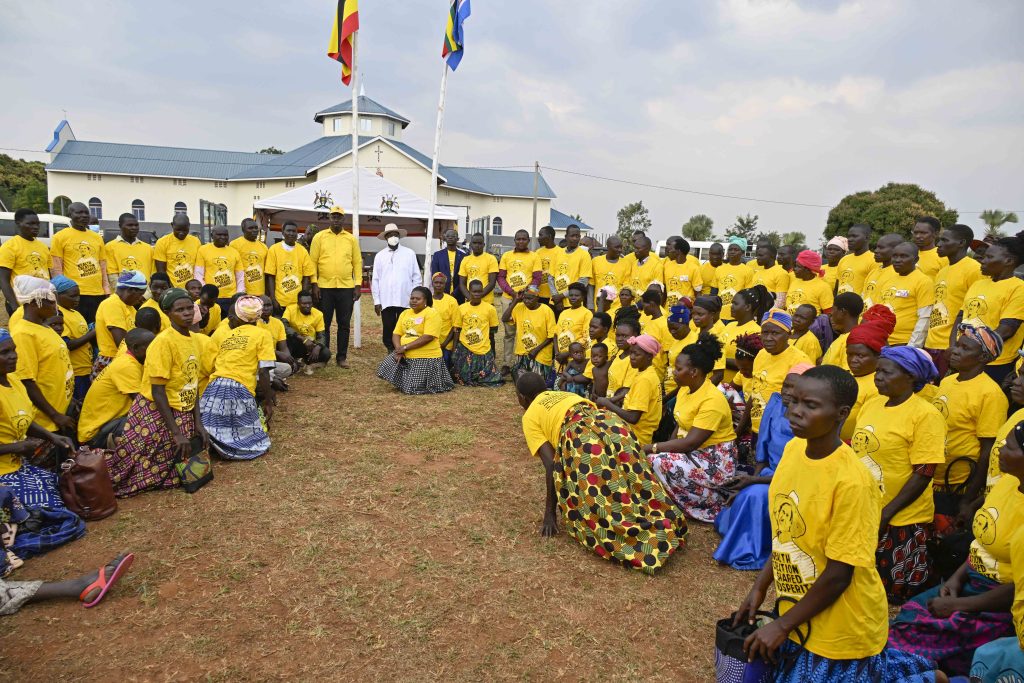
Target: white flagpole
357, 337
433, 175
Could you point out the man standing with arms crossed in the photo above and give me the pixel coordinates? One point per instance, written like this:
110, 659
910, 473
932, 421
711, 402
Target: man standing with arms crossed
338, 262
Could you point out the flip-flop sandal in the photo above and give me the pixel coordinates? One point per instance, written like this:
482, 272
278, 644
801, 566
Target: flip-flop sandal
104, 583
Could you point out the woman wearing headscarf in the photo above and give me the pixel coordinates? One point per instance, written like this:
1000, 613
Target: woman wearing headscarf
115, 316
807, 286
899, 437
598, 479
734, 274
744, 525
78, 335
693, 466
864, 346
416, 366
241, 375
948, 623
641, 406
835, 250
164, 418
772, 363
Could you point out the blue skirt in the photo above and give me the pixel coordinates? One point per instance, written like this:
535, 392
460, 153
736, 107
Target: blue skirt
746, 530
1001, 661
233, 420
49, 524
888, 666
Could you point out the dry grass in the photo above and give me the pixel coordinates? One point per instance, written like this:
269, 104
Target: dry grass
386, 537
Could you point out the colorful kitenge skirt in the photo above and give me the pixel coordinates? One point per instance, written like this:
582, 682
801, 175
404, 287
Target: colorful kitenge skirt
526, 364
14, 594
475, 369
695, 479
746, 529
950, 641
903, 562
98, 365
145, 455
1001, 661
799, 665
610, 500
233, 420
416, 375
30, 498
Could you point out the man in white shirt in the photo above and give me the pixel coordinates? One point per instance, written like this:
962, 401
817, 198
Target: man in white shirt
395, 273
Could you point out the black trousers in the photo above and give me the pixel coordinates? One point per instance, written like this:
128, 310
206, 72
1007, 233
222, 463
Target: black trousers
298, 350
88, 304
389, 318
337, 300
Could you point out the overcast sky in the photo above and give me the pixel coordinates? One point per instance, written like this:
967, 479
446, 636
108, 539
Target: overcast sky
794, 101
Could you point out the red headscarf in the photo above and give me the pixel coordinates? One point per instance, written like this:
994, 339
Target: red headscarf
882, 314
811, 260
871, 334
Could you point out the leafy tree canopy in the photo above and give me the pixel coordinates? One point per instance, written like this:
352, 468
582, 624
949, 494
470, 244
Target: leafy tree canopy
892, 208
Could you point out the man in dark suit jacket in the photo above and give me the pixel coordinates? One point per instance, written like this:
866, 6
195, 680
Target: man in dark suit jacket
447, 261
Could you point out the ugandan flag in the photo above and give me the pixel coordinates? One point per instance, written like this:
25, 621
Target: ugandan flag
453, 39
346, 23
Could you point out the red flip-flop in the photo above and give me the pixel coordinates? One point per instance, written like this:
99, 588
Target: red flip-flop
104, 583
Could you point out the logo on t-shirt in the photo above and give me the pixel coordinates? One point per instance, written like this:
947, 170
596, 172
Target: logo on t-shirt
87, 263
794, 569
976, 307
985, 532
864, 443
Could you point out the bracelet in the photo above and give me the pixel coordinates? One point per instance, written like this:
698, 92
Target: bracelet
654, 447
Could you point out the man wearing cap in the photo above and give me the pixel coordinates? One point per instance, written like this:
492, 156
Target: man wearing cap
395, 272
338, 279
835, 250
448, 261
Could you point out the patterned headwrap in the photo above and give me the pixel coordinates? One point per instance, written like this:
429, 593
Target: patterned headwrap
679, 314
63, 284
915, 362
991, 343
35, 290
811, 260
778, 316
647, 343
131, 279
839, 241
740, 242
172, 295
4, 335
712, 304
438, 274
249, 308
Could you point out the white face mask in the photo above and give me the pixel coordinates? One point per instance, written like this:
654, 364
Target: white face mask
393, 241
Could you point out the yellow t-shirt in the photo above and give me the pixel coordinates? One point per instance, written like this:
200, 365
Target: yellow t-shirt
769, 374
75, 327
165, 322
254, 259
891, 441
930, 263
110, 395
836, 353
276, 329
221, 264
573, 326
82, 252
951, 285
708, 275
815, 292
672, 353
112, 312
479, 268
306, 325
288, 269
645, 395
651, 270
615, 274
853, 270
446, 307
904, 295
707, 408
830, 275
175, 361
122, 256
657, 328
240, 353
532, 329
43, 358
213, 319
548, 258
682, 280
995, 301
207, 359
337, 260
810, 345
179, 257
995, 524
973, 410
875, 283
730, 332
776, 279
474, 323
543, 420
732, 279
25, 257
412, 325
16, 415
519, 268
865, 389
994, 473
571, 267
829, 509
621, 374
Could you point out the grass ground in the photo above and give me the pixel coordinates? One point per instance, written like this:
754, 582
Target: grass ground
385, 537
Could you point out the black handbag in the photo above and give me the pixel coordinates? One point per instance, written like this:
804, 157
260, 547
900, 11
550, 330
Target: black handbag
947, 500
731, 665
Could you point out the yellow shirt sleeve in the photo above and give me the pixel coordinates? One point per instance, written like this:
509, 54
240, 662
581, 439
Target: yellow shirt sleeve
928, 436
853, 527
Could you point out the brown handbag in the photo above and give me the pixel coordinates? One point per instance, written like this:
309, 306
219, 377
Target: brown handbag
85, 485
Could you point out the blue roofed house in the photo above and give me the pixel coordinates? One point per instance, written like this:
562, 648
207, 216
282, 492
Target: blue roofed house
221, 187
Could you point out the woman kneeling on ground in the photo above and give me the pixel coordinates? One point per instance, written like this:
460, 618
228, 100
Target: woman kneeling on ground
598, 479
164, 417
475, 323
228, 408
416, 366
825, 512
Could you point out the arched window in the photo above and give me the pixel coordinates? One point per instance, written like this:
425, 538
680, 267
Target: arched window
139, 210
60, 205
180, 207
96, 208
496, 226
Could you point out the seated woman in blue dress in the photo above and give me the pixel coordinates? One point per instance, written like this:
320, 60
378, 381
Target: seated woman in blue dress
746, 534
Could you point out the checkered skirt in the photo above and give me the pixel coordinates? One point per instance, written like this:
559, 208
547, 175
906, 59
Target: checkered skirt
416, 375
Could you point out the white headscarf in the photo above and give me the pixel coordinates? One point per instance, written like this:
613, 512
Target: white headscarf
35, 290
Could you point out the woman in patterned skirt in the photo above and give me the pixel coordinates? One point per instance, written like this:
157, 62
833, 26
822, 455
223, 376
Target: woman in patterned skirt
598, 479
416, 366
475, 323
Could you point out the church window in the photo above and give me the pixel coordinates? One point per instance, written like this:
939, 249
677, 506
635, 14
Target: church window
139, 210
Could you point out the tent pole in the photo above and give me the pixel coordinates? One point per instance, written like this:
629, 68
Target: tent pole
357, 336
536, 179
433, 176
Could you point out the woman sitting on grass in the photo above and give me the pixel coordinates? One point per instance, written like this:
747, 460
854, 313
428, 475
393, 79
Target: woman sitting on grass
598, 479
416, 366
475, 323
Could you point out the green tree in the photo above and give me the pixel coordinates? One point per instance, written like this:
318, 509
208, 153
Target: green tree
699, 228
15, 174
32, 196
632, 217
271, 150
578, 218
772, 237
795, 239
60, 205
995, 219
745, 227
891, 208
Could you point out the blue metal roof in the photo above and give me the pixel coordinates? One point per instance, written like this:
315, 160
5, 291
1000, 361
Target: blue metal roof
172, 162
298, 162
500, 182
56, 135
560, 221
366, 106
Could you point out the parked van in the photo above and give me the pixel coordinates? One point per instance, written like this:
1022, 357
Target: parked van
49, 224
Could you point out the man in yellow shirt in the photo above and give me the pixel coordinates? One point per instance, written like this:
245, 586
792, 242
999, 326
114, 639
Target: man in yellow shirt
773, 276
219, 265
338, 280
709, 269
877, 280
548, 256
574, 266
175, 253
253, 253
858, 262
79, 253
610, 270
518, 270
682, 273
648, 269
951, 285
910, 294
127, 251
479, 266
924, 233
23, 254
288, 269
